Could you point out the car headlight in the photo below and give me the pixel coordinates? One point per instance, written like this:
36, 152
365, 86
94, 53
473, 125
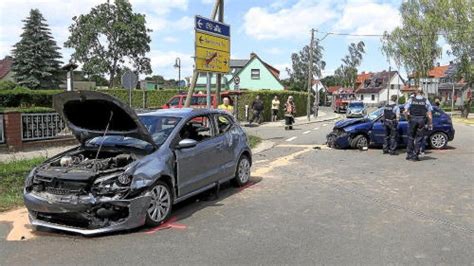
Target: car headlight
29, 178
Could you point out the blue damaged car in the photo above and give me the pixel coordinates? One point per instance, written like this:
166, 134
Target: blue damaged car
369, 131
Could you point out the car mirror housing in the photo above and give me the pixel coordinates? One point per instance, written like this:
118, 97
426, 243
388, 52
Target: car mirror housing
186, 143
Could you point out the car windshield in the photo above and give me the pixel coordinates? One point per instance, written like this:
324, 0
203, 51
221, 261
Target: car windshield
375, 114
356, 105
159, 127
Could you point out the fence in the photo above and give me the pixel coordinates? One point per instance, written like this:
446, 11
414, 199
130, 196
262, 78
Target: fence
2, 130
40, 126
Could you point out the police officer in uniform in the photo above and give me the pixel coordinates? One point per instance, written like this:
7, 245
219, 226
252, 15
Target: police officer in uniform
391, 116
418, 111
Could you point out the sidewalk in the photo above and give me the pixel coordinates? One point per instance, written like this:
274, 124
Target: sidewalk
42, 152
303, 120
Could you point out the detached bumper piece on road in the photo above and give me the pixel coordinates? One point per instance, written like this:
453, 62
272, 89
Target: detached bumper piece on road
86, 215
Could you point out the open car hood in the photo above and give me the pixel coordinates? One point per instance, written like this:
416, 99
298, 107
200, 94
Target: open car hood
87, 114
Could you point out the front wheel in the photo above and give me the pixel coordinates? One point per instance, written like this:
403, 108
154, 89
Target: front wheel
242, 173
359, 142
160, 204
438, 140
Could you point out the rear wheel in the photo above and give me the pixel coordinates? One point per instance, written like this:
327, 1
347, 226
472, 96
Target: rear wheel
160, 204
242, 174
359, 142
438, 140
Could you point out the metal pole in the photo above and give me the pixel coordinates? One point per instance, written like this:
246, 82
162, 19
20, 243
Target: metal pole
191, 88
130, 97
208, 90
219, 76
179, 76
452, 101
310, 76
389, 84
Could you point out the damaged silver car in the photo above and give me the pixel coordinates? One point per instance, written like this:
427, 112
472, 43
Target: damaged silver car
130, 169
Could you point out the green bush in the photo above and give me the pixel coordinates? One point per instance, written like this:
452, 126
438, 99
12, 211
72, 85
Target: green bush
22, 97
402, 99
153, 99
7, 85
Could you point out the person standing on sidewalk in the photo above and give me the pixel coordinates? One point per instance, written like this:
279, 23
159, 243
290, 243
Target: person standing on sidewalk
275, 108
390, 118
257, 109
290, 112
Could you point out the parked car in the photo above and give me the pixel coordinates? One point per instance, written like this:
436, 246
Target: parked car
369, 130
356, 109
197, 100
131, 169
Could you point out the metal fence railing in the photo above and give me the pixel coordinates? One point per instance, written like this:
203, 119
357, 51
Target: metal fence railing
38, 126
2, 130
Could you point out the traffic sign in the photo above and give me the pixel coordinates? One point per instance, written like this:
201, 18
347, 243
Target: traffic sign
211, 26
237, 80
129, 80
210, 60
213, 42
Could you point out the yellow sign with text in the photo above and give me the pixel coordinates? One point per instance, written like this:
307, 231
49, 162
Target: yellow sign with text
210, 60
212, 42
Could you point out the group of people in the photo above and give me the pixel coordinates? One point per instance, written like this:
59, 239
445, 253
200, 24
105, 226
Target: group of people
289, 108
257, 108
418, 112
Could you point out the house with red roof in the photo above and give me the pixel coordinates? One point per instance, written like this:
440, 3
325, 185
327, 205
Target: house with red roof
6, 72
377, 88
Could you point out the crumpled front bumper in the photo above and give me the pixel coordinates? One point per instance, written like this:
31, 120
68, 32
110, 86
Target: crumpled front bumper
37, 204
338, 139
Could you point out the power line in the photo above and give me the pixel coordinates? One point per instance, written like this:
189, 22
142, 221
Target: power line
382, 35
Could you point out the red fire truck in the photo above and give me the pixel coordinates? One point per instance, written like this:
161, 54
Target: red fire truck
341, 98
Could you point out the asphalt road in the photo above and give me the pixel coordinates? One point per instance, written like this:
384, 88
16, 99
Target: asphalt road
306, 205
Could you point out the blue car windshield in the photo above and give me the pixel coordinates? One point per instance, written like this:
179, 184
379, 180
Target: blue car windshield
375, 114
159, 127
356, 105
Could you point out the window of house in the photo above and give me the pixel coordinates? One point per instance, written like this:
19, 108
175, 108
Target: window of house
392, 86
255, 73
373, 97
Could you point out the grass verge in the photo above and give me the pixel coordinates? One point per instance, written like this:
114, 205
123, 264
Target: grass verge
12, 179
468, 121
254, 141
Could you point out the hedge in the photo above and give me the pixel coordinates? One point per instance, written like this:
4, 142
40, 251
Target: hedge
29, 100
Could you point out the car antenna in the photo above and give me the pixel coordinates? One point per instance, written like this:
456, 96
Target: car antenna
103, 136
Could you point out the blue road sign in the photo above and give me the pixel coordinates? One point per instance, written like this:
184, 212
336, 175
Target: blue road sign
211, 26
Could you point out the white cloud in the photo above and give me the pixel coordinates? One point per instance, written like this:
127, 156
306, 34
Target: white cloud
163, 63
368, 18
285, 23
274, 51
282, 68
170, 39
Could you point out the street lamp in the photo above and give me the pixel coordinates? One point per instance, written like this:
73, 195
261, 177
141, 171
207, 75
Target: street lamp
177, 65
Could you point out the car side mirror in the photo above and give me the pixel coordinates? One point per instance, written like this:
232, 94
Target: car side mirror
186, 143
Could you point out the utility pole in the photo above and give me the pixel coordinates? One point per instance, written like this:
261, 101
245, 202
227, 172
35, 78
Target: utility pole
219, 76
389, 85
310, 75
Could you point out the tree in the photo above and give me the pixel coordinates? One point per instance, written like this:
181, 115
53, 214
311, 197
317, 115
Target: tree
329, 81
298, 75
346, 74
35, 57
108, 37
414, 44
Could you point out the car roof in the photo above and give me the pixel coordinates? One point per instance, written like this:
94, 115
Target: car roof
183, 112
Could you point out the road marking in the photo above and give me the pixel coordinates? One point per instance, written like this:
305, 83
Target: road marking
319, 146
291, 139
316, 128
306, 132
325, 125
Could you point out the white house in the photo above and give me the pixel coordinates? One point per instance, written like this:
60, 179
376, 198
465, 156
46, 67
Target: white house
378, 87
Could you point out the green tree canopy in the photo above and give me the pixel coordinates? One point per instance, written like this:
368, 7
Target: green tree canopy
298, 75
414, 44
108, 38
35, 57
346, 74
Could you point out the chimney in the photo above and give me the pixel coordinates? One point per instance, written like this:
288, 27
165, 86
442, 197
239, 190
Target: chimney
252, 55
438, 64
450, 62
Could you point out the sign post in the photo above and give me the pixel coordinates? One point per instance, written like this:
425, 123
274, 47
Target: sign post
212, 49
236, 82
129, 81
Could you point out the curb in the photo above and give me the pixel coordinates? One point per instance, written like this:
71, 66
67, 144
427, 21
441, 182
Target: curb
265, 145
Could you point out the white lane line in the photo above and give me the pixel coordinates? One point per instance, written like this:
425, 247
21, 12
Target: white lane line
306, 132
316, 128
291, 139
325, 125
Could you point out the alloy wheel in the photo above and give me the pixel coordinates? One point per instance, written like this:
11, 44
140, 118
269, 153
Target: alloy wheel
244, 170
438, 140
160, 203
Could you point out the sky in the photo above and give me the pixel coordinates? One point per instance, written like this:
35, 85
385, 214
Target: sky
273, 29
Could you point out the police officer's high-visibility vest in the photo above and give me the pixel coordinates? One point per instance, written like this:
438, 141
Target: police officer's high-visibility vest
418, 107
388, 112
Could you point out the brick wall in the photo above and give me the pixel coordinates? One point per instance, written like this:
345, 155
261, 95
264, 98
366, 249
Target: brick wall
12, 126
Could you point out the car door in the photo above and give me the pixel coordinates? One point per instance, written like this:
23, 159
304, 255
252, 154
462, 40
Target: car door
196, 167
402, 131
228, 140
377, 133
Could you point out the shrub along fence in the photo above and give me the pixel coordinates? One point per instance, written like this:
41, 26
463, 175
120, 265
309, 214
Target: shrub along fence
40, 101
